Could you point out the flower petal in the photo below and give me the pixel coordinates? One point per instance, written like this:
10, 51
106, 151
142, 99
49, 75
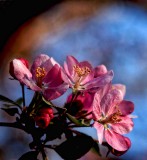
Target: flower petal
117, 141
124, 126
97, 112
53, 74
126, 107
121, 88
100, 131
55, 92
110, 100
30, 84
100, 81
71, 62
90, 75
100, 70
43, 61
23, 75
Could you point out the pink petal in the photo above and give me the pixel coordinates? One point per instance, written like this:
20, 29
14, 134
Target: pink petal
53, 61
30, 84
87, 102
121, 88
100, 81
20, 70
43, 61
66, 78
111, 100
55, 92
124, 126
89, 76
100, 70
100, 131
52, 74
117, 141
126, 107
71, 62
23, 74
97, 112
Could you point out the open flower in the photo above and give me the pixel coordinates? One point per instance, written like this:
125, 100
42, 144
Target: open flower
43, 117
112, 117
45, 76
81, 76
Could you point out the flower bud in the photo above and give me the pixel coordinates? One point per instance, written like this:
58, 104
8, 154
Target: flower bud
24, 61
44, 117
12, 68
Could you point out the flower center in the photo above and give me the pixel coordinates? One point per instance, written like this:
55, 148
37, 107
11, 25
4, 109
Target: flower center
114, 118
81, 71
40, 74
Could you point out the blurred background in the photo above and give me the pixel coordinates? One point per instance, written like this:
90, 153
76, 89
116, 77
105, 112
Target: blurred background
109, 32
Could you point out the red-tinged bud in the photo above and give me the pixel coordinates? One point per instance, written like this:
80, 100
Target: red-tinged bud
12, 68
42, 120
24, 61
43, 117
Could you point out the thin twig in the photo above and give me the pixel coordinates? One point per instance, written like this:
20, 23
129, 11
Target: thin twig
23, 95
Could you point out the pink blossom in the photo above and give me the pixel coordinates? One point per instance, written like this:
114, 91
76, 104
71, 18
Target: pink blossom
81, 76
82, 104
45, 76
111, 116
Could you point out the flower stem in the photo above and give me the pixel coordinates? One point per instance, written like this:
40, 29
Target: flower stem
44, 156
23, 94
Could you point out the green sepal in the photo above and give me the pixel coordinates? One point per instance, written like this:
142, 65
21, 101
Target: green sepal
59, 109
78, 122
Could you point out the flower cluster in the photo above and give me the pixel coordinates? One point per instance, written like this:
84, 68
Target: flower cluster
94, 102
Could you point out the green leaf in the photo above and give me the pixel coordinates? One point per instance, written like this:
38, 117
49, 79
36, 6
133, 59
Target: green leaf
55, 129
52, 105
75, 147
11, 111
19, 101
31, 155
80, 122
5, 99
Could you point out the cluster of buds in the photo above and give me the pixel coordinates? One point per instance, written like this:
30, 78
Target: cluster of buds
94, 102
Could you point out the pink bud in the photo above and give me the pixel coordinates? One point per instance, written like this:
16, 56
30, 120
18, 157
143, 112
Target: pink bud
24, 61
11, 66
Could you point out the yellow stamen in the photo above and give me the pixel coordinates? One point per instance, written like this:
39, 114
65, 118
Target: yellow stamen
114, 118
84, 71
40, 72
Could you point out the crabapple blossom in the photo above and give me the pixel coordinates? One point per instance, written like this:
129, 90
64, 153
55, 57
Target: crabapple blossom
82, 77
45, 76
111, 116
